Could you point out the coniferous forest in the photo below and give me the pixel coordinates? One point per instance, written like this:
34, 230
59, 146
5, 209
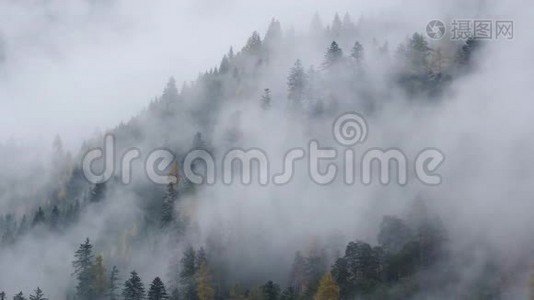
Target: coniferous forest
468, 237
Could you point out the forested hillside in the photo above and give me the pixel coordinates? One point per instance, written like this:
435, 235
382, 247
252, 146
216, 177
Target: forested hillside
301, 240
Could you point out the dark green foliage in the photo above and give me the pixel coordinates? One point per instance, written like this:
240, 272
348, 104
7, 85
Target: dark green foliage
296, 83
187, 274
157, 290
333, 56
113, 284
83, 265
167, 210
38, 295
270, 291
133, 288
19, 296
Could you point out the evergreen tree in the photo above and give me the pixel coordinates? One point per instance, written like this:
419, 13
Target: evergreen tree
205, 289
273, 35
83, 269
418, 52
167, 214
54, 217
100, 282
296, 84
270, 291
336, 26
266, 99
39, 295
187, 274
289, 293
112, 284
2, 295
253, 46
357, 53
224, 66
133, 288
19, 296
328, 289
98, 192
170, 93
333, 55
157, 290
39, 217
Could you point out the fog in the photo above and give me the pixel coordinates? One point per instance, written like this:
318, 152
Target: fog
78, 69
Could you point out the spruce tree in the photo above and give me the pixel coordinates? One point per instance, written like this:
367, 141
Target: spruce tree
83, 267
333, 55
357, 53
157, 290
19, 296
167, 209
187, 274
270, 291
133, 288
2, 295
39, 217
296, 83
39, 295
266, 99
112, 284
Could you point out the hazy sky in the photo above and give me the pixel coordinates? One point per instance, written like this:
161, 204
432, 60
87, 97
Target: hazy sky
72, 67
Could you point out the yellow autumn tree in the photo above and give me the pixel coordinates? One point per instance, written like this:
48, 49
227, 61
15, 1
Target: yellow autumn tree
100, 282
204, 289
328, 289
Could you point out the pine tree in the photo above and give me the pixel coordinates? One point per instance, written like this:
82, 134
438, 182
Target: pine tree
289, 293
270, 291
333, 55
266, 99
83, 267
418, 52
336, 26
133, 288
39, 295
19, 296
100, 283
273, 35
2, 295
296, 83
253, 45
357, 53
328, 289
167, 213
157, 290
187, 274
170, 93
39, 217
54, 218
224, 67
112, 284
205, 289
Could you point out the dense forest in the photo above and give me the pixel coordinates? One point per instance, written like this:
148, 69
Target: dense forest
206, 242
